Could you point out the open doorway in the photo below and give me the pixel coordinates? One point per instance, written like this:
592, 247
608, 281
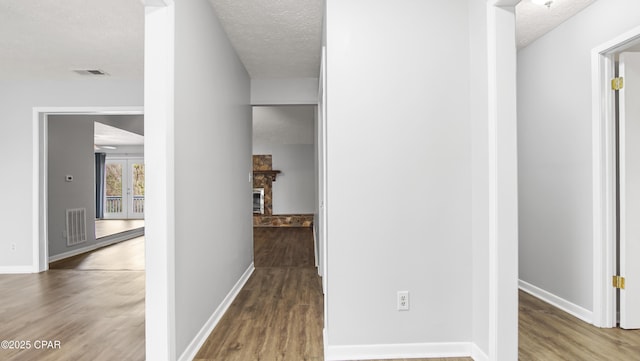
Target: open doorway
95, 182
284, 180
616, 133
88, 294
41, 118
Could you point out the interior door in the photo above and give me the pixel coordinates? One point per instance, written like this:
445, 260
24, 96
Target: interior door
124, 189
629, 145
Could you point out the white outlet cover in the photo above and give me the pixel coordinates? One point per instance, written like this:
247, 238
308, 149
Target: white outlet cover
403, 300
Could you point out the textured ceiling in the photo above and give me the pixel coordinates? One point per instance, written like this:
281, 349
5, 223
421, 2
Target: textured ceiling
49, 38
533, 21
276, 38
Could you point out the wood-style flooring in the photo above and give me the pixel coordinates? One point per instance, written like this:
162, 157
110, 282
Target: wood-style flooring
96, 310
278, 314
96, 314
109, 227
283, 247
546, 333
127, 255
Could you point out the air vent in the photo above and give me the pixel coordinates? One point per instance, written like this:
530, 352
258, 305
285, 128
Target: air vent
96, 72
76, 226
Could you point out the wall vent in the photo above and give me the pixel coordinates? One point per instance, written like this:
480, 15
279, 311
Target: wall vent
76, 226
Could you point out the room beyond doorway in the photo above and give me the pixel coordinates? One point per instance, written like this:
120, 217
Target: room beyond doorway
43, 237
112, 227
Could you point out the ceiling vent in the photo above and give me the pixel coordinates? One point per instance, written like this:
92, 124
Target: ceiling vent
96, 72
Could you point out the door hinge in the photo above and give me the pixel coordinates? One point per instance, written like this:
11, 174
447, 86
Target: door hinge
617, 83
618, 282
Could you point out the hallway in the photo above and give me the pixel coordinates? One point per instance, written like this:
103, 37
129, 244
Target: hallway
278, 314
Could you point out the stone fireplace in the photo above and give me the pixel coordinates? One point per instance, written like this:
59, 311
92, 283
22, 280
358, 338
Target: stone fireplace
263, 177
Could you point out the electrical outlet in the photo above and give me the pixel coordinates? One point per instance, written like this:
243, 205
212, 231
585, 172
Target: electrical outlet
403, 300
13, 246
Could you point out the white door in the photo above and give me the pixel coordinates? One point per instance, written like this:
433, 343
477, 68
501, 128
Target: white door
629, 101
124, 189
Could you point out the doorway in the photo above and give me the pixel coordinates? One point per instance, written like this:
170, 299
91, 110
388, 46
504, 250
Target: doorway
614, 183
41, 117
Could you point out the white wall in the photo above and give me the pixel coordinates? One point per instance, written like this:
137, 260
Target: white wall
408, 227
17, 99
286, 132
554, 150
284, 91
70, 152
212, 152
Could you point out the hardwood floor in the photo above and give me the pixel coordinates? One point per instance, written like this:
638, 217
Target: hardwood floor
96, 311
127, 255
283, 247
546, 333
108, 227
278, 314
95, 314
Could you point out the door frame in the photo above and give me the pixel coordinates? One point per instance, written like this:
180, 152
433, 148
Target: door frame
39, 182
604, 201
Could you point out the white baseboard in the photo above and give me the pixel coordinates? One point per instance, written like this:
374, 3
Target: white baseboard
397, 351
111, 240
566, 306
7, 270
197, 342
477, 354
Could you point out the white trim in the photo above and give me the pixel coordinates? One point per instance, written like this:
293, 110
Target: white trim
502, 172
556, 301
478, 354
159, 69
492, 173
6, 270
398, 351
39, 215
39, 182
324, 183
604, 182
325, 341
197, 342
125, 236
